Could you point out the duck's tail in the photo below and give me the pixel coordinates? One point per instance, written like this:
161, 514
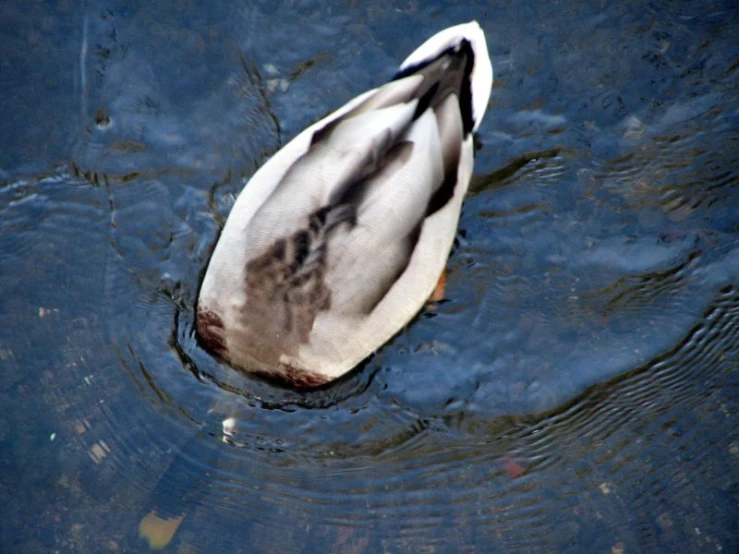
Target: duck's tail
461, 53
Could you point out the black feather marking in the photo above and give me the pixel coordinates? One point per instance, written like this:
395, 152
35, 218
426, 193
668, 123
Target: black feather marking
302, 244
351, 196
465, 93
320, 215
461, 52
279, 251
444, 193
324, 132
425, 101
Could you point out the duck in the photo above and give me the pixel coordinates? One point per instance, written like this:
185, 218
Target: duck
338, 240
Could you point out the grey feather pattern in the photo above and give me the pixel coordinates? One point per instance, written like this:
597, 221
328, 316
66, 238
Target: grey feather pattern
341, 222
340, 241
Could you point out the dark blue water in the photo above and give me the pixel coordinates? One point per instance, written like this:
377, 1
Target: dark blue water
577, 390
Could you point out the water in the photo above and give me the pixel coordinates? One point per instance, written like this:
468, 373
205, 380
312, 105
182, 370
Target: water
576, 391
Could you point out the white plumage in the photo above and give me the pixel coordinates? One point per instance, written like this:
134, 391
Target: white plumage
338, 240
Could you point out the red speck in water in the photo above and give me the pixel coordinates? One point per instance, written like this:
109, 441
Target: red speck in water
512, 467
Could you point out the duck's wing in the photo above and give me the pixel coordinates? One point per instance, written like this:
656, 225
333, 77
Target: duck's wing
351, 207
339, 218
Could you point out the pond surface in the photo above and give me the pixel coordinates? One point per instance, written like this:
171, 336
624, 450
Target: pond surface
577, 391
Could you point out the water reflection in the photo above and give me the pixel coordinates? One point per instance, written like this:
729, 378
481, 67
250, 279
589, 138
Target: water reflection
574, 392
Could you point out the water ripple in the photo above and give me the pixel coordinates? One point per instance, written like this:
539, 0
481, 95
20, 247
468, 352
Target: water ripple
678, 170
575, 390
